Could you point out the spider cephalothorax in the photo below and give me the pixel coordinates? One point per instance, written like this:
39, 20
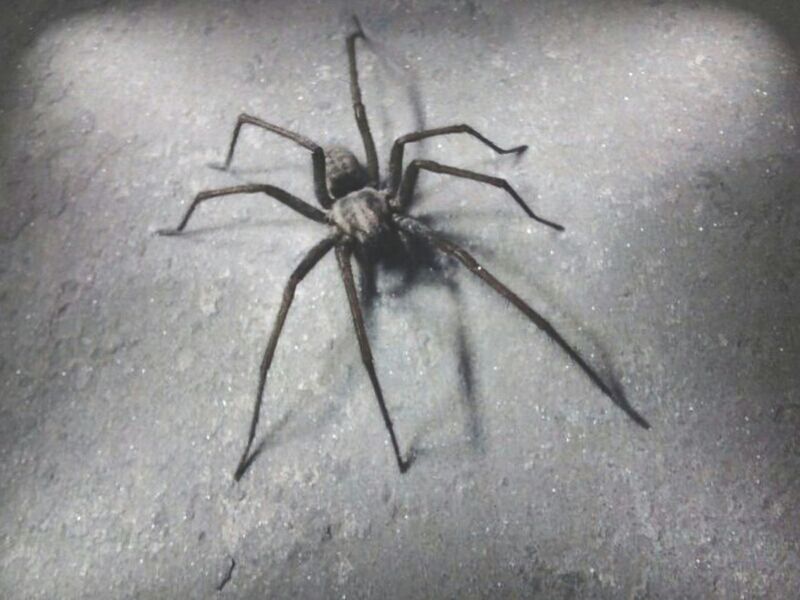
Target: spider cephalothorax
363, 214
360, 211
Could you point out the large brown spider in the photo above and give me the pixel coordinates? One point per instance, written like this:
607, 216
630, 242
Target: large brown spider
361, 212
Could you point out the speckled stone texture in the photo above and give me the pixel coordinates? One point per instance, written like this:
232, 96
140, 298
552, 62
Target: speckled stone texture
662, 135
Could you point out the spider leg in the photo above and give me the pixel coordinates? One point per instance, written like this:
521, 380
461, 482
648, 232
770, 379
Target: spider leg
412, 172
343, 255
415, 227
358, 107
396, 158
317, 153
309, 262
282, 196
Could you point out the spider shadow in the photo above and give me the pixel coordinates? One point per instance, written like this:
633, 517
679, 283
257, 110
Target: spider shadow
601, 372
418, 264
395, 72
419, 261
268, 439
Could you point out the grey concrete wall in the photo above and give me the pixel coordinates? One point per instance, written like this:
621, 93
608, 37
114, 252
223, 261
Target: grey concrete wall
662, 135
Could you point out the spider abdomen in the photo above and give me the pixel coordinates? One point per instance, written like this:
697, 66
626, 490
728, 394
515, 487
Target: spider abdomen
344, 174
362, 214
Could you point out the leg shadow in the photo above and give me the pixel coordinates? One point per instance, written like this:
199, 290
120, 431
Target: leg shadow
419, 264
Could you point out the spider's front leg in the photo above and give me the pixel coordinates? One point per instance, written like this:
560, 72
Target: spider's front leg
411, 175
309, 262
343, 255
396, 157
358, 106
280, 195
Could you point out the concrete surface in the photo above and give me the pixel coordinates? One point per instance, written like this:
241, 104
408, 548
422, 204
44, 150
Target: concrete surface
663, 136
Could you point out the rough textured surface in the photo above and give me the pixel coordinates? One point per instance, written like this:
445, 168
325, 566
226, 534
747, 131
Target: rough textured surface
663, 136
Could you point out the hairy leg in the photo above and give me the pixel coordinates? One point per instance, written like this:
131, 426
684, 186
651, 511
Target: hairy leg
343, 255
358, 107
396, 158
282, 196
309, 261
412, 173
317, 153
415, 227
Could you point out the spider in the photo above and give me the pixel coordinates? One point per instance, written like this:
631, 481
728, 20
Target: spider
361, 211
